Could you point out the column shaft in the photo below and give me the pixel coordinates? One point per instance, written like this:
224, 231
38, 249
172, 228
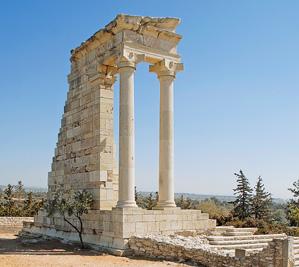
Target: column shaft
126, 138
166, 145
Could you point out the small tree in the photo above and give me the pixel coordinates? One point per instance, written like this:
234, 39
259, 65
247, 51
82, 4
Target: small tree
293, 205
9, 204
184, 203
19, 190
151, 201
31, 205
261, 201
139, 199
71, 206
243, 194
295, 192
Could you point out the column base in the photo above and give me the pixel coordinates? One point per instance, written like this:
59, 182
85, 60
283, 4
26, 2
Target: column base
126, 204
165, 205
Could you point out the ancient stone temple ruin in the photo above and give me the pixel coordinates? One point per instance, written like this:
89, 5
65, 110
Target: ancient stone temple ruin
85, 152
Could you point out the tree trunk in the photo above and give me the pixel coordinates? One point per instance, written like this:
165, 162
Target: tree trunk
77, 230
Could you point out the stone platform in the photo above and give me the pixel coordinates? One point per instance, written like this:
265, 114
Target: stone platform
111, 229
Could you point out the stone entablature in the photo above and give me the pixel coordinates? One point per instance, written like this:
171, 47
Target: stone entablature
153, 38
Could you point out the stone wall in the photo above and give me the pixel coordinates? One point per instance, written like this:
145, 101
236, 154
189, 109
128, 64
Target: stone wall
84, 154
113, 228
13, 224
272, 256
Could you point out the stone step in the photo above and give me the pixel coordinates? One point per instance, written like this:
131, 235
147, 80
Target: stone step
238, 234
248, 241
243, 246
227, 238
224, 227
219, 230
254, 250
248, 250
240, 231
246, 229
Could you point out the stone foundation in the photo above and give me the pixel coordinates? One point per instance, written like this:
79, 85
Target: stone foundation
275, 255
112, 229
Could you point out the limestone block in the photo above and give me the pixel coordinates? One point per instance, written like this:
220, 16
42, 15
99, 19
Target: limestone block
109, 193
94, 176
129, 229
148, 218
103, 194
153, 227
141, 228
106, 241
204, 216
187, 225
106, 93
119, 243
164, 226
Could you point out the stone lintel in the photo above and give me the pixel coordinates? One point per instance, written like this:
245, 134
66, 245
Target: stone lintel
159, 28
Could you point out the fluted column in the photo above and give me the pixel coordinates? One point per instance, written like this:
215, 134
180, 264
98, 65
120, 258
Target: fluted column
126, 135
166, 74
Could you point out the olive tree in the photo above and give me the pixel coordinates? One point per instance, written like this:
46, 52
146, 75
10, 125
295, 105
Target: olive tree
71, 206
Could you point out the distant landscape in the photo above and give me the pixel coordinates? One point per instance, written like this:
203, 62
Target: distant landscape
222, 198
192, 196
32, 189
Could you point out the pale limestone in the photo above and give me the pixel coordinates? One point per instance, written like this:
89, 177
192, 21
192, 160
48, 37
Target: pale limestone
85, 155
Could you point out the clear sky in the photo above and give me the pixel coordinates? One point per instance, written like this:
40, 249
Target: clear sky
236, 103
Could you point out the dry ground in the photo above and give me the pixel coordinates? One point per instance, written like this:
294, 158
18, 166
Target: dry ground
53, 253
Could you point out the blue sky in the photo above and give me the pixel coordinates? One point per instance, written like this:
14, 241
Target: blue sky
236, 103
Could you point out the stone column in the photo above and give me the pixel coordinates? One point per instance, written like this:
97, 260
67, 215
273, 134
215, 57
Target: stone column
126, 135
166, 74
166, 157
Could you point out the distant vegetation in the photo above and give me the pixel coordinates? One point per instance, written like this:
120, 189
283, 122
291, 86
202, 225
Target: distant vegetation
250, 207
16, 201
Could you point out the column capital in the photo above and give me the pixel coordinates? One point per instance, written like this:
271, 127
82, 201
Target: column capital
128, 59
166, 68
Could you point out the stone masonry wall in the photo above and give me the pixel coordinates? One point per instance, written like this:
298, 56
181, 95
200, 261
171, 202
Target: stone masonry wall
272, 256
113, 228
84, 155
13, 223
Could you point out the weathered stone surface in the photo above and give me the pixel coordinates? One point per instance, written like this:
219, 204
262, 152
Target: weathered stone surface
13, 223
197, 250
85, 152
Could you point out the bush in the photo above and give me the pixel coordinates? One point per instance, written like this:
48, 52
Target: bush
265, 227
216, 211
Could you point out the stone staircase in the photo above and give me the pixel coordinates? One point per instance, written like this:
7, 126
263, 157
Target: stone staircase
296, 251
232, 238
